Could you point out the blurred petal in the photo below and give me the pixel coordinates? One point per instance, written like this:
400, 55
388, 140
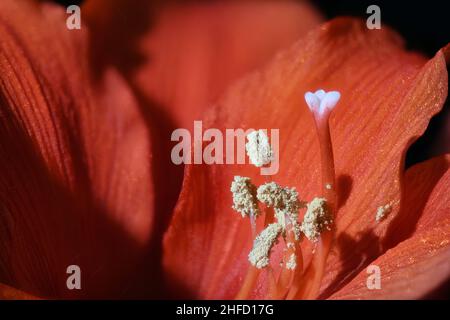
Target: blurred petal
180, 57
76, 183
421, 263
9, 293
189, 54
387, 98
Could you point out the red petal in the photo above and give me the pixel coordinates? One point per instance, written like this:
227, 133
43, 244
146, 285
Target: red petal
193, 52
76, 183
388, 97
8, 293
179, 58
421, 263
424, 197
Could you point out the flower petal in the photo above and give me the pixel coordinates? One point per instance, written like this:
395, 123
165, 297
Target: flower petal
191, 53
410, 270
388, 97
424, 197
9, 293
421, 263
180, 57
76, 182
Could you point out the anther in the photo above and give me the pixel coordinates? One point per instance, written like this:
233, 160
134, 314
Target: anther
285, 203
244, 197
262, 245
317, 219
258, 148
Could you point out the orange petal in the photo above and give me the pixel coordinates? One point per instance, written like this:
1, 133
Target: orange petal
189, 54
9, 293
423, 198
388, 97
76, 182
180, 57
410, 270
421, 263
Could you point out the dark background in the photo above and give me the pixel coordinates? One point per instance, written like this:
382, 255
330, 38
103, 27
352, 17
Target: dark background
425, 25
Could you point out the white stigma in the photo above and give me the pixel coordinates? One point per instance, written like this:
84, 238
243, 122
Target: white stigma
321, 102
258, 148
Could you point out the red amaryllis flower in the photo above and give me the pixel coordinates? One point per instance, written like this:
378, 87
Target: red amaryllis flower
83, 179
82, 176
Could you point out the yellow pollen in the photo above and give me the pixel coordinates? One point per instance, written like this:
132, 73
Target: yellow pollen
317, 219
258, 148
262, 245
244, 196
285, 203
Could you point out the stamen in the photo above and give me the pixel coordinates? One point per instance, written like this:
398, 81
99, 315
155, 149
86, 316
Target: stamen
273, 291
244, 197
285, 203
318, 218
253, 224
248, 283
260, 254
258, 148
290, 276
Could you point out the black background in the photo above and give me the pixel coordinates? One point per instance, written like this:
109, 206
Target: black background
167, 309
